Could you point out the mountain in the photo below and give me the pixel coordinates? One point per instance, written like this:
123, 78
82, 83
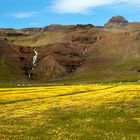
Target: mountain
71, 54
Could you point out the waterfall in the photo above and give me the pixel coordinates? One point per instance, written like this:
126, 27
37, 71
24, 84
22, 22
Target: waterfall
29, 75
28, 68
35, 58
85, 50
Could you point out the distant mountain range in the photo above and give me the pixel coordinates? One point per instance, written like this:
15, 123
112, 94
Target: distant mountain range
71, 54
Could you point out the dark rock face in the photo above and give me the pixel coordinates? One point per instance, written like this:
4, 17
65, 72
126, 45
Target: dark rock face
16, 34
117, 20
53, 27
84, 27
85, 39
57, 60
25, 58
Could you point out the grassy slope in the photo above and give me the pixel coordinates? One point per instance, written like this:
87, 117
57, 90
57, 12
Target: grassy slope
4, 71
40, 39
118, 45
99, 112
9, 74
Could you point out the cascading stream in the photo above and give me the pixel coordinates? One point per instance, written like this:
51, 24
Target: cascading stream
33, 62
35, 58
29, 75
85, 50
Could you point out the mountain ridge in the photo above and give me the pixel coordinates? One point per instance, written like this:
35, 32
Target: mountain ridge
74, 53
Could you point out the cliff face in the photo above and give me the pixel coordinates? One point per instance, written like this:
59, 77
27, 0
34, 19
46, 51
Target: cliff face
80, 53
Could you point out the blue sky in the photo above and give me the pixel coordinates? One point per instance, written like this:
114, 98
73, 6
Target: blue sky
39, 13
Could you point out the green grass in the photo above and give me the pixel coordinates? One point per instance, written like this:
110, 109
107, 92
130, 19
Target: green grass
10, 75
5, 73
82, 112
39, 39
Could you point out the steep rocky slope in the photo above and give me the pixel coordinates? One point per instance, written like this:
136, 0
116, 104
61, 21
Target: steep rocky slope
76, 53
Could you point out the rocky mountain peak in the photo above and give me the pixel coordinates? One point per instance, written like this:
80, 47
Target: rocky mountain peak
117, 20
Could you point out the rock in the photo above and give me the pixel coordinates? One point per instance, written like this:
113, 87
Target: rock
117, 20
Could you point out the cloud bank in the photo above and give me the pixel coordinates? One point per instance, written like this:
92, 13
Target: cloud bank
82, 6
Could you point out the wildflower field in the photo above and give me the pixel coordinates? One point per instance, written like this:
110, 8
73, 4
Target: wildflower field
80, 112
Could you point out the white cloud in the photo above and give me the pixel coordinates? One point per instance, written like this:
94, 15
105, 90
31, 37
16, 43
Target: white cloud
82, 6
24, 14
